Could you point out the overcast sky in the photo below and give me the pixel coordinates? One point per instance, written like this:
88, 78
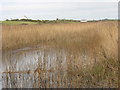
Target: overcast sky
63, 9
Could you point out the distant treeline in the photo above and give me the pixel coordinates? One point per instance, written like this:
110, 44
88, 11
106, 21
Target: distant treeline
45, 21
58, 20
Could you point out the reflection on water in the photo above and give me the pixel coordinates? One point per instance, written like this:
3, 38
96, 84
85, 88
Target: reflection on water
40, 68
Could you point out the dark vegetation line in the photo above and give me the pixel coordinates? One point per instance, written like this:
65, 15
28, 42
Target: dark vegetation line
59, 20
45, 21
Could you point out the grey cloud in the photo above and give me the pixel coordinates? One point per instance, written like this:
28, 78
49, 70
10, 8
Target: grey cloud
52, 10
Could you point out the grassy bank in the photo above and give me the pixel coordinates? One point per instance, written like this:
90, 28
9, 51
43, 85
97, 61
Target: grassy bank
17, 22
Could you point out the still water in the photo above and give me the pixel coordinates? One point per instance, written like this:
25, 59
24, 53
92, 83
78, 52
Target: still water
44, 68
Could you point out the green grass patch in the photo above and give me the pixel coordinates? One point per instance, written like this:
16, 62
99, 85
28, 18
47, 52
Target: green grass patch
17, 22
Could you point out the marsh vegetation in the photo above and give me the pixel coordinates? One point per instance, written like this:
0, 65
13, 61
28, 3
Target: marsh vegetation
60, 55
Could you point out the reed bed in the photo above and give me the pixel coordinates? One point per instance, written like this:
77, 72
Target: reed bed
61, 70
76, 35
86, 55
